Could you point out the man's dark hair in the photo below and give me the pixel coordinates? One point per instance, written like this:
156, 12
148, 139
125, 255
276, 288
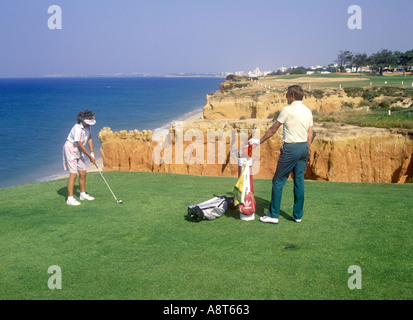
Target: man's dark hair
297, 91
85, 115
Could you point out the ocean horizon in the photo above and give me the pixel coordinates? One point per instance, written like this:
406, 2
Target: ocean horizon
37, 114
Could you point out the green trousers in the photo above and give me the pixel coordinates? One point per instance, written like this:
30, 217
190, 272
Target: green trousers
293, 158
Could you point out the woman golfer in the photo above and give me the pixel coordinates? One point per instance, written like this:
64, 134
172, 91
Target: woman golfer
74, 152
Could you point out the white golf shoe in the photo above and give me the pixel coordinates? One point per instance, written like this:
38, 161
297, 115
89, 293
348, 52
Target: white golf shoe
72, 202
85, 196
267, 219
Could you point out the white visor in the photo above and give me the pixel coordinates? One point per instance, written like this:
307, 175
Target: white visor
90, 122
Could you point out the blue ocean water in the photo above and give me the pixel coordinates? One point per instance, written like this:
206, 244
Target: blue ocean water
36, 115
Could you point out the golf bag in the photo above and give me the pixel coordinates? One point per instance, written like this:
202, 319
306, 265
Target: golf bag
244, 188
210, 209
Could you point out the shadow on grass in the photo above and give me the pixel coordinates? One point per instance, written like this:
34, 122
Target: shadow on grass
261, 208
63, 191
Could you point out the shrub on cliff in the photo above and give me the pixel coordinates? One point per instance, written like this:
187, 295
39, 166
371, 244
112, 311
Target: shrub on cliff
385, 103
318, 94
370, 95
364, 103
354, 92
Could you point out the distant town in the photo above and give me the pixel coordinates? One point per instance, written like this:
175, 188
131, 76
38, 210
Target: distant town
381, 62
318, 69
333, 68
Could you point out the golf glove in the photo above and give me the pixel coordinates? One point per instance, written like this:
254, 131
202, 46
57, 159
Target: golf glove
92, 154
254, 141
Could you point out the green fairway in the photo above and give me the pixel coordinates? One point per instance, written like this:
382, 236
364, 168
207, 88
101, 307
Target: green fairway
336, 80
146, 249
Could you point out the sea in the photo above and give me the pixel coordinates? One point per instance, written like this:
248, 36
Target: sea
37, 114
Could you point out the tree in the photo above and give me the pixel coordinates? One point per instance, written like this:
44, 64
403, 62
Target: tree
297, 70
343, 58
331, 68
404, 59
382, 59
359, 61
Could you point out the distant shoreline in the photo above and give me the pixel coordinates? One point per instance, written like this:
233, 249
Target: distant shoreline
149, 103
80, 76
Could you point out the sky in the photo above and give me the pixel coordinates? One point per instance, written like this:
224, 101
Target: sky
101, 37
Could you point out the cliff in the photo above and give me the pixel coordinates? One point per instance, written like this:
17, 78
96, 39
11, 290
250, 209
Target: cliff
338, 153
252, 100
245, 108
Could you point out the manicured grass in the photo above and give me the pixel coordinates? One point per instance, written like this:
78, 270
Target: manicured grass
146, 249
337, 79
381, 120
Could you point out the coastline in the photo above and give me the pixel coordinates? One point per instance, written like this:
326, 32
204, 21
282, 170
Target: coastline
190, 116
148, 103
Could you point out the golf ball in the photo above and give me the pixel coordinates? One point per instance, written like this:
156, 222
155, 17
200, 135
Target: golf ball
120, 202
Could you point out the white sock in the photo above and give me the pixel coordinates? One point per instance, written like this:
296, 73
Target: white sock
83, 194
70, 198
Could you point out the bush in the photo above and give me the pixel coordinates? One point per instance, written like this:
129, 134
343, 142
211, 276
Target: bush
323, 118
388, 91
370, 95
318, 94
346, 104
364, 103
385, 103
354, 92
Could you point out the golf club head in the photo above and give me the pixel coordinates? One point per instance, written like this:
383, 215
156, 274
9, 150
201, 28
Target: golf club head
120, 202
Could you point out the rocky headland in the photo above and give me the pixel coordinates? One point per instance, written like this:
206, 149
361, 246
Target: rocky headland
203, 145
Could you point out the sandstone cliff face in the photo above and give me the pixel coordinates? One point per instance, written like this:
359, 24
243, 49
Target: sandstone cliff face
242, 110
338, 153
263, 103
355, 154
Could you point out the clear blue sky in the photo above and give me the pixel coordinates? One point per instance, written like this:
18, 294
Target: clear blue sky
165, 36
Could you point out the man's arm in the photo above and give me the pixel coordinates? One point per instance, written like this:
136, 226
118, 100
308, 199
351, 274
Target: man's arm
271, 131
310, 137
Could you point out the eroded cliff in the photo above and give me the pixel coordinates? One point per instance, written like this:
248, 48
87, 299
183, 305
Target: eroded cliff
203, 147
258, 103
240, 110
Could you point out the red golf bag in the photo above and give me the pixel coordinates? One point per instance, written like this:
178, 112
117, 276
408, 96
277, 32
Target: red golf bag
247, 203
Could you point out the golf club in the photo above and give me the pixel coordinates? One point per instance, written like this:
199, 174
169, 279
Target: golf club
118, 201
